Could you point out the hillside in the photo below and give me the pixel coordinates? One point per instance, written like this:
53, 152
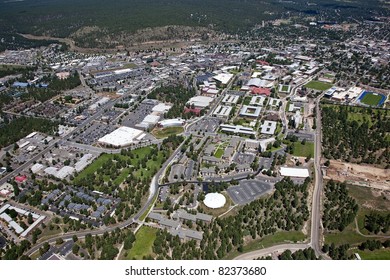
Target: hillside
88, 20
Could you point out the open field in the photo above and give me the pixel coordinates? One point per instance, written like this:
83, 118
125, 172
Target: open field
301, 150
317, 85
381, 254
166, 132
347, 236
366, 175
142, 246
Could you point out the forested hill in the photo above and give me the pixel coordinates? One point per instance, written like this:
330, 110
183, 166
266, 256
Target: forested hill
61, 18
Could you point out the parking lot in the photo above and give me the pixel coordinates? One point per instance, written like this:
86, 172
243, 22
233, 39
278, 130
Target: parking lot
248, 190
93, 133
265, 162
143, 109
205, 125
302, 135
243, 158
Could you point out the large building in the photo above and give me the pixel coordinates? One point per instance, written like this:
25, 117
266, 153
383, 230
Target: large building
222, 111
269, 127
171, 123
294, 172
237, 129
250, 111
122, 137
200, 101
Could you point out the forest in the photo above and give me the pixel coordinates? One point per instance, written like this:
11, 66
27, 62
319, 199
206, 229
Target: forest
358, 135
63, 18
340, 209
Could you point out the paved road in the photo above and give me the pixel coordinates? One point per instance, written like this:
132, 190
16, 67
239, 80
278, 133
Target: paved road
271, 250
316, 229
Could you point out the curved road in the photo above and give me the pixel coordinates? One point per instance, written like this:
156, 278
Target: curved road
270, 250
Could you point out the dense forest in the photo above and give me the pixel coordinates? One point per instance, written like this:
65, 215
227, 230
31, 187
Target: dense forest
355, 134
63, 18
285, 210
339, 208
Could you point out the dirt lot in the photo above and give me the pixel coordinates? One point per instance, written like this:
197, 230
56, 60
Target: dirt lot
359, 174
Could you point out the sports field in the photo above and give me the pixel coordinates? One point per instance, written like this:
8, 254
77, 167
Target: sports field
372, 99
317, 85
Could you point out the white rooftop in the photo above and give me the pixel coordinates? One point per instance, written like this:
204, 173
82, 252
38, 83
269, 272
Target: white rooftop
122, 136
294, 172
214, 200
224, 78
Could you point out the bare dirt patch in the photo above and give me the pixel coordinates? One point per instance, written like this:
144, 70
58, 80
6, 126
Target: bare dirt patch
363, 175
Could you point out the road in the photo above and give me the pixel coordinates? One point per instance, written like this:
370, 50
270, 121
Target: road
316, 230
271, 250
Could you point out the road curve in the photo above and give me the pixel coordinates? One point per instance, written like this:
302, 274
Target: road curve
270, 250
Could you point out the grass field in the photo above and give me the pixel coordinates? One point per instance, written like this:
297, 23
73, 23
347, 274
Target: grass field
142, 246
166, 132
218, 153
381, 254
151, 166
368, 202
303, 150
371, 99
317, 85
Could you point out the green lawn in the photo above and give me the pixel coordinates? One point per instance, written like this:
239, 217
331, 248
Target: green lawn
347, 236
317, 85
303, 150
352, 116
218, 153
285, 88
151, 166
142, 246
371, 99
94, 166
166, 132
381, 254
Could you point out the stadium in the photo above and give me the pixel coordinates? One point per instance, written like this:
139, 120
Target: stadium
368, 98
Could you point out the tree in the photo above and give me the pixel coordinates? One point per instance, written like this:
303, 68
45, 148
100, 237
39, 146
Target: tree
75, 249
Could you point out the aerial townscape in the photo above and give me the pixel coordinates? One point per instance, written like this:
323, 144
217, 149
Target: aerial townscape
197, 130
